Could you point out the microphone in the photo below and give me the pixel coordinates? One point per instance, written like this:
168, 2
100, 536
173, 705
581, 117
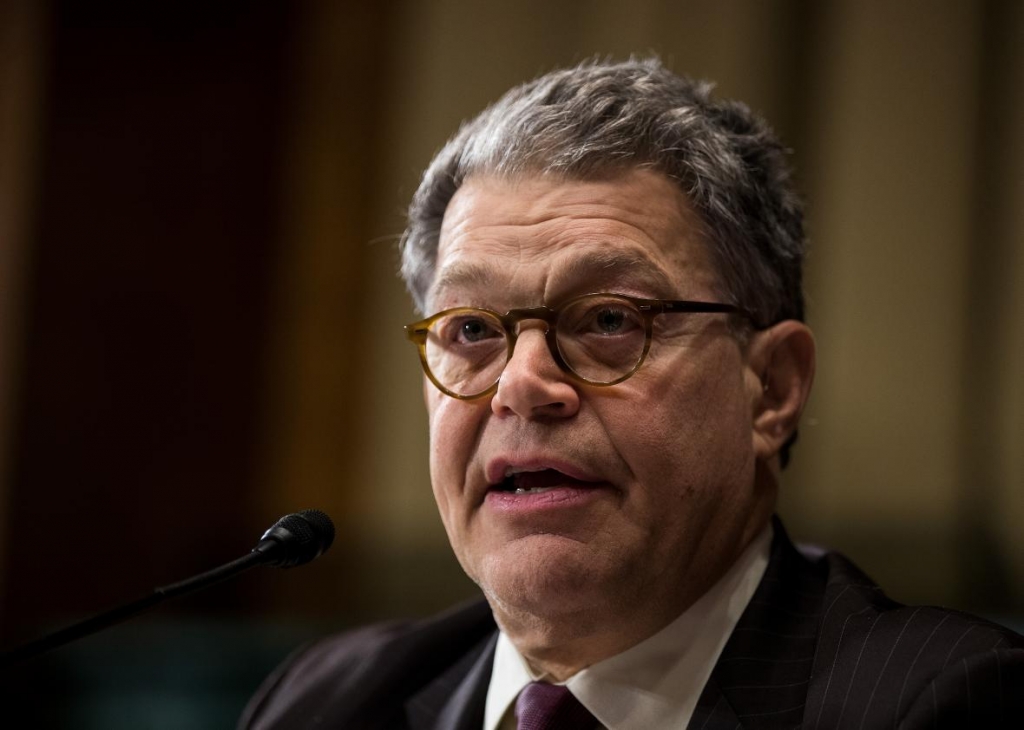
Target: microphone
293, 540
296, 539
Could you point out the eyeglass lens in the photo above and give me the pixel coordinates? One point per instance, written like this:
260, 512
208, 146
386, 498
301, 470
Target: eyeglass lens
600, 338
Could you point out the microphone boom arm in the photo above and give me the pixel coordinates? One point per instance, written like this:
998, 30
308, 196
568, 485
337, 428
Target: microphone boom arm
128, 610
293, 540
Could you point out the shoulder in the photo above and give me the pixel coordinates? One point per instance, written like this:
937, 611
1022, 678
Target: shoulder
879, 663
369, 671
854, 610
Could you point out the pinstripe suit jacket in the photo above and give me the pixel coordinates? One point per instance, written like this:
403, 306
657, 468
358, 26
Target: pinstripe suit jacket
820, 647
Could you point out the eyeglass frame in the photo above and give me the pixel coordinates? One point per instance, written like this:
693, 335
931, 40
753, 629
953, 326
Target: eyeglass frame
417, 332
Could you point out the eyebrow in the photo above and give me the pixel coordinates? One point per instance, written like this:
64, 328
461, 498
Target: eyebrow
461, 275
595, 269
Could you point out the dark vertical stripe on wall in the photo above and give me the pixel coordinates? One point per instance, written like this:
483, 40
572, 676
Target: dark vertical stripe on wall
799, 50
984, 574
157, 217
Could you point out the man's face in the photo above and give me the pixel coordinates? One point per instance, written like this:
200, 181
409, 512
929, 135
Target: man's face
562, 499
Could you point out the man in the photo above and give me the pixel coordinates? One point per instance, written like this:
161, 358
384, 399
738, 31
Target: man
615, 366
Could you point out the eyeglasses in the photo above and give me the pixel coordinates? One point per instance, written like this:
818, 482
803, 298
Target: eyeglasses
598, 339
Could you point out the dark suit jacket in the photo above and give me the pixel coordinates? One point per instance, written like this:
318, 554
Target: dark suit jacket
819, 647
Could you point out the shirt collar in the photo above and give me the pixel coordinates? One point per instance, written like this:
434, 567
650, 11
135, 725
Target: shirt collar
657, 682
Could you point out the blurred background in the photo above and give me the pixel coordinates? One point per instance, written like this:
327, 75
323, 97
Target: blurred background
200, 322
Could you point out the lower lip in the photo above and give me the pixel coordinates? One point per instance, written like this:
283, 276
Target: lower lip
557, 498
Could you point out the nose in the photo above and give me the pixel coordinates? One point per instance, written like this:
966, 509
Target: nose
532, 385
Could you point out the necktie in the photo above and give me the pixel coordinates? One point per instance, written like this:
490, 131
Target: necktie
543, 706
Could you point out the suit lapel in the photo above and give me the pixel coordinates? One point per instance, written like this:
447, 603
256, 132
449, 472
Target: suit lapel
713, 711
761, 678
455, 699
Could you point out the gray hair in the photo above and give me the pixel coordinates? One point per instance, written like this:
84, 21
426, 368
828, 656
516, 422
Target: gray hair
598, 119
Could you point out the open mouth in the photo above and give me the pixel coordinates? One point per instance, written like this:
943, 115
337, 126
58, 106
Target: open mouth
538, 482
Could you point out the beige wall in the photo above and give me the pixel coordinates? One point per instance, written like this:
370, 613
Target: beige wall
906, 119
889, 106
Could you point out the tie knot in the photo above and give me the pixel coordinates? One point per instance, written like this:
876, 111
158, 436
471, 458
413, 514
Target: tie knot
543, 706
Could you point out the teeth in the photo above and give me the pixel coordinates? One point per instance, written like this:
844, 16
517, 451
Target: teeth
535, 490
511, 471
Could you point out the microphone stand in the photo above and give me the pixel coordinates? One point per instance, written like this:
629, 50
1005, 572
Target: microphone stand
294, 539
121, 613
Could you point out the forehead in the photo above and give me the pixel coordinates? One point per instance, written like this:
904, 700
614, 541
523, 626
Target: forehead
543, 236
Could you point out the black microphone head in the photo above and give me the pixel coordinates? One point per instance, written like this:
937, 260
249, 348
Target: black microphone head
296, 539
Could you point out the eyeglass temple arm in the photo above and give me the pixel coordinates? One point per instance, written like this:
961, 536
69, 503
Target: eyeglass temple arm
669, 306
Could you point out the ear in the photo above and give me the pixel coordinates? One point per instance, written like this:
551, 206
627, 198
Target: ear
781, 358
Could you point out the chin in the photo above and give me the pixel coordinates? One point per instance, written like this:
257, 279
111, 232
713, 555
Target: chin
547, 575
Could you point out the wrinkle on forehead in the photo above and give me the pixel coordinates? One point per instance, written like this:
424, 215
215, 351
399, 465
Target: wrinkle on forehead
606, 269
639, 193
551, 235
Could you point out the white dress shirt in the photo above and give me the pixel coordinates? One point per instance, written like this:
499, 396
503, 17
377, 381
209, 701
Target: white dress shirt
656, 683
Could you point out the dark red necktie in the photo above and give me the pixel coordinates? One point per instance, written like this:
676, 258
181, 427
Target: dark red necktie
543, 706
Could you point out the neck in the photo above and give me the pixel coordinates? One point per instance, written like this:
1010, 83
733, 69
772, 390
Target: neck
557, 646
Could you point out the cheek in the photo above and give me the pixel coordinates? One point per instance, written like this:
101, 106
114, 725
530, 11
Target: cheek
691, 434
453, 428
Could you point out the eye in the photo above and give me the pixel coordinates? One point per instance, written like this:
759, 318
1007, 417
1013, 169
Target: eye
475, 329
468, 329
606, 319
